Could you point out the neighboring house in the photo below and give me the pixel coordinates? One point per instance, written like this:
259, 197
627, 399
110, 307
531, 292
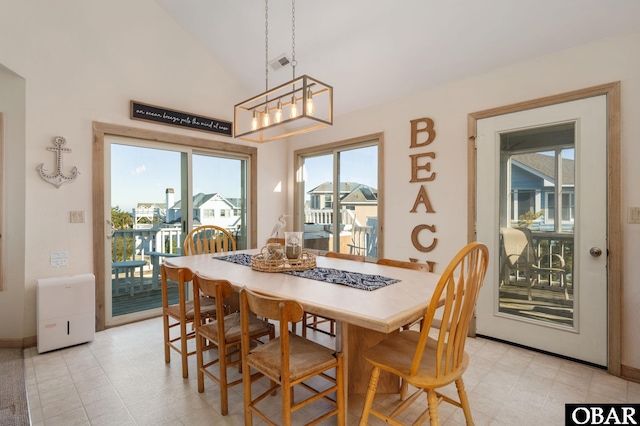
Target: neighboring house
533, 178
359, 218
145, 215
361, 199
208, 209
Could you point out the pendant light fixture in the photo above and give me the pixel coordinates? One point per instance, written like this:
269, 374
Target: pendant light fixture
300, 105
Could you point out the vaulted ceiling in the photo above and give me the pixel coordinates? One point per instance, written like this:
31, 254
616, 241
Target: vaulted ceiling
374, 51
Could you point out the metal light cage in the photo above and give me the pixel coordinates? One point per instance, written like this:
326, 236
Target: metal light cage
302, 89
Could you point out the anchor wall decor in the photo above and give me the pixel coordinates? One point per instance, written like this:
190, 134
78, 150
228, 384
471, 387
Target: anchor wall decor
58, 178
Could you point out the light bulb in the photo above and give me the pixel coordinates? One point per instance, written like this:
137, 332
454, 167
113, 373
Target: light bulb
254, 121
310, 107
293, 113
277, 116
265, 117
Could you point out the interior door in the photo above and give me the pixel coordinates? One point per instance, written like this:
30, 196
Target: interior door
543, 171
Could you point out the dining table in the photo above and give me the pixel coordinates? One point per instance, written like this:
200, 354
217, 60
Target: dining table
376, 301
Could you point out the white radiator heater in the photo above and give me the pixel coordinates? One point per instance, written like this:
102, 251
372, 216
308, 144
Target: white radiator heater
65, 311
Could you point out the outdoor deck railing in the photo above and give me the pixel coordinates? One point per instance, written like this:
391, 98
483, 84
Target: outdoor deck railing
325, 217
135, 244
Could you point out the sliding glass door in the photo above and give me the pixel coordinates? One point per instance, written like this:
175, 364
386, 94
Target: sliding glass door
159, 192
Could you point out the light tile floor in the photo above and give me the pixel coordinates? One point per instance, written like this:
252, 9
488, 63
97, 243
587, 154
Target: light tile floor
121, 379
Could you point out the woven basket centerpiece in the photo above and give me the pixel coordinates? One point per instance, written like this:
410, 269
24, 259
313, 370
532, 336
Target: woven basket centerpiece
272, 259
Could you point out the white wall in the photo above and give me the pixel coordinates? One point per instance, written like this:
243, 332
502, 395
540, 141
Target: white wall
589, 65
82, 62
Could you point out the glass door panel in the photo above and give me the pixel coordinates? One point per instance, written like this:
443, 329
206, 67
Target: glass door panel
537, 225
144, 185
358, 201
220, 194
318, 202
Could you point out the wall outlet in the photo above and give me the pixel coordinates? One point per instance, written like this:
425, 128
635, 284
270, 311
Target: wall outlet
77, 217
634, 215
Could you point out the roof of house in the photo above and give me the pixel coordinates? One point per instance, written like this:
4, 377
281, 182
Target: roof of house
544, 166
199, 199
345, 187
151, 205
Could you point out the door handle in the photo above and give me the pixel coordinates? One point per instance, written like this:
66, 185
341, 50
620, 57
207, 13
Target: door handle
595, 252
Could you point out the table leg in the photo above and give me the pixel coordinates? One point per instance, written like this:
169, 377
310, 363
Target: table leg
355, 340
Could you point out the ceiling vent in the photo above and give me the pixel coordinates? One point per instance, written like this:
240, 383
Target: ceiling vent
279, 62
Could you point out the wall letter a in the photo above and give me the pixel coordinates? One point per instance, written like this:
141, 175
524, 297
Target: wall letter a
422, 198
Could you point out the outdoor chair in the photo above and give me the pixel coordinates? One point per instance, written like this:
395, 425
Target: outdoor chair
519, 253
288, 361
222, 335
431, 363
181, 314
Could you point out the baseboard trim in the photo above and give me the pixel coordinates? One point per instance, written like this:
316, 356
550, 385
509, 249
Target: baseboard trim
27, 342
630, 373
11, 343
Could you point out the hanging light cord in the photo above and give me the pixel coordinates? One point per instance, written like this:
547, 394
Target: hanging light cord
293, 38
266, 45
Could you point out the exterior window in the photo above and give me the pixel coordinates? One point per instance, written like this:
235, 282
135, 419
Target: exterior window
208, 213
337, 202
328, 202
315, 201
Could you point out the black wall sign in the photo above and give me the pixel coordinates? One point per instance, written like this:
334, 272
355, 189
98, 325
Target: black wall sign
181, 119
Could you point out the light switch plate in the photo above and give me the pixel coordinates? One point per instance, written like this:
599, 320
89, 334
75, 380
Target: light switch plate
77, 216
634, 215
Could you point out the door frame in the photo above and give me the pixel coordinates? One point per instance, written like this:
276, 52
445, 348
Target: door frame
100, 130
614, 223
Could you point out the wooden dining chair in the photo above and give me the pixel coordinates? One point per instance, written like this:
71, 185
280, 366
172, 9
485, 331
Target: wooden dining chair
180, 315
313, 321
431, 363
208, 239
222, 335
288, 361
211, 239
406, 265
347, 256
416, 267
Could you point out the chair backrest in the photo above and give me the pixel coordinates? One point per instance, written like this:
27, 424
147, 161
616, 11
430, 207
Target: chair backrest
456, 295
517, 245
404, 264
217, 289
177, 274
347, 256
270, 308
208, 239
